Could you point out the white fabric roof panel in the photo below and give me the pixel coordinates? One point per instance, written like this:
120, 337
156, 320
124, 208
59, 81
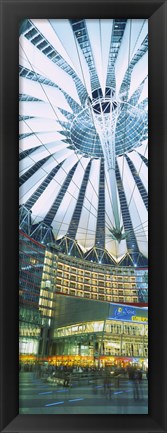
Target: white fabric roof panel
140, 167
53, 189
43, 92
123, 58
39, 125
88, 220
63, 30
40, 109
137, 209
34, 59
39, 139
139, 73
67, 206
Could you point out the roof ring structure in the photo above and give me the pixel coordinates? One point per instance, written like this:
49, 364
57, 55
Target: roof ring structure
84, 134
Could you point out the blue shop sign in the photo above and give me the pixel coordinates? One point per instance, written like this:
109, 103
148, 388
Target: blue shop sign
123, 313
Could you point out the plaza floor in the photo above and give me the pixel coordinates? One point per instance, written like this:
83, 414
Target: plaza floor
39, 397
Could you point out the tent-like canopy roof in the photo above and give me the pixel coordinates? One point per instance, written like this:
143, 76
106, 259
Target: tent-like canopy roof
66, 66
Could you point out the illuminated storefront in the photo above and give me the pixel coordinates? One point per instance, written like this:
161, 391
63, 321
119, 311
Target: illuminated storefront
120, 336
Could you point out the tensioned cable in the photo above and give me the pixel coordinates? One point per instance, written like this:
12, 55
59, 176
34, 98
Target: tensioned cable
137, 230
138, 36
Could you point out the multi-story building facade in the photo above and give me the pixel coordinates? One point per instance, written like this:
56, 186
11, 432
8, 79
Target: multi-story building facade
52, 282
76, 277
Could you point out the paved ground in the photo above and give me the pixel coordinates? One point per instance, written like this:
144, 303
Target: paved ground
38, 397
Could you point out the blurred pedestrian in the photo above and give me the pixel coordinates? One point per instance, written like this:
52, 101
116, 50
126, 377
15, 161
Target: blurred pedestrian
107, 384
140, 383
136, 385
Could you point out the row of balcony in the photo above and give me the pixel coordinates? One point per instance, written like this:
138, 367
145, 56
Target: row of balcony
97, 296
